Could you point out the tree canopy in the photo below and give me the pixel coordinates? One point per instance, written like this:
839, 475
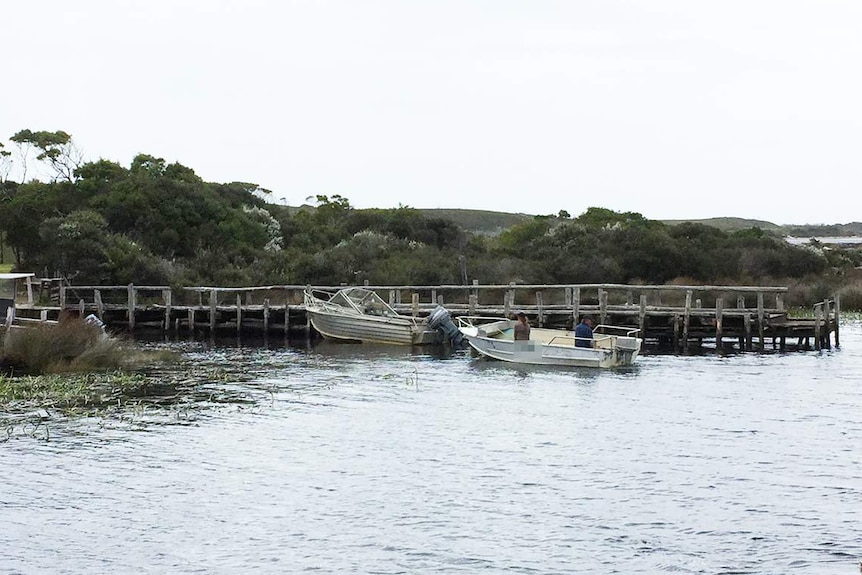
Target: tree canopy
158, 222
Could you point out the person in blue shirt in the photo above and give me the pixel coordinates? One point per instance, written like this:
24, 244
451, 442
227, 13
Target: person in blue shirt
584, 332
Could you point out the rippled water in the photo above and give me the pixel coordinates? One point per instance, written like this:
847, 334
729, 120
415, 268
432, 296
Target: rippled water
364, 459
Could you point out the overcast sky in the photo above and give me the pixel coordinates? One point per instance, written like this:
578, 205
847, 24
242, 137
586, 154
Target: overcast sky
674, 109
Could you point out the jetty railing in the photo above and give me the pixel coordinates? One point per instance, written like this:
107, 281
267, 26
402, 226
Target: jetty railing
676, 314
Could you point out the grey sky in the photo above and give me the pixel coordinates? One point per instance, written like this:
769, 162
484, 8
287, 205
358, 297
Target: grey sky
674, 109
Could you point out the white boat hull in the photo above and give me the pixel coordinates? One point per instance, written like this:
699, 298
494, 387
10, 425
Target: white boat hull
359, 314
371, 329
551, 347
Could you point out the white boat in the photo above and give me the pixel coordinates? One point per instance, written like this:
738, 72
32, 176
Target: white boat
611, 346
359, 314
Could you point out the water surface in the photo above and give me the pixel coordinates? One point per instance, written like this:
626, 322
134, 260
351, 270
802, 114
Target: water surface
370, 459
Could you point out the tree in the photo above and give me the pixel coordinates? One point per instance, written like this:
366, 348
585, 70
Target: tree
5, 163
54, 148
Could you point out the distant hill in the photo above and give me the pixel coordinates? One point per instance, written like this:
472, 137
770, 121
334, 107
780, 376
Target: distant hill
491, 223
832, 230
730, 224
478, 221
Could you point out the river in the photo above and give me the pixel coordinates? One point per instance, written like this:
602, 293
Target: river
366, 459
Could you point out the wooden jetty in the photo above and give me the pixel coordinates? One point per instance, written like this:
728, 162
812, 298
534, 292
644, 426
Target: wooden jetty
675, 316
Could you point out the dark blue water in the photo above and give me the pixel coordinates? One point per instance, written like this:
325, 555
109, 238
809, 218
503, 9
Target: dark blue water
364, 459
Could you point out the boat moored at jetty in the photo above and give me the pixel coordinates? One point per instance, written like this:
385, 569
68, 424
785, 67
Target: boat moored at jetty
359, 314
611, 346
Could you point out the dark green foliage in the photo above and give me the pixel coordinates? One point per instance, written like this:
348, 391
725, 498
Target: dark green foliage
160, 224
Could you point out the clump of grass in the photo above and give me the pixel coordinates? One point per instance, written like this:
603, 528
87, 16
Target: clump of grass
851, 296
70, 346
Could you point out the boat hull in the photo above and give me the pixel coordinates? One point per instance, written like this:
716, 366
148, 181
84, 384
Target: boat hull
552, 347
370, 329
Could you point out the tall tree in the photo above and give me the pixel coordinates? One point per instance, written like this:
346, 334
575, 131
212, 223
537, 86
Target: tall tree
5, 163
56, 149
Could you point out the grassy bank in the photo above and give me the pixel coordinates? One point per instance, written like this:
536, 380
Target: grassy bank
74, 366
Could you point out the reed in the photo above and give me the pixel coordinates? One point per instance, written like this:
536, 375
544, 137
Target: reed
66, 392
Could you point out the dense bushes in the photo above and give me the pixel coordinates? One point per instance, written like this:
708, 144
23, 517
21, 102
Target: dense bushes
160, 224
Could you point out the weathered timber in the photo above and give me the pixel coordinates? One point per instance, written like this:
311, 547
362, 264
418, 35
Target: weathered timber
663, 313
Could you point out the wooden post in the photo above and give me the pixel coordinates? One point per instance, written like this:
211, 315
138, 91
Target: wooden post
29, 290
740, 302
166, 295
719, 322
818, 315
82, 307
476, 290
132, 304
629, 298
541, 318
779, 301
433, 296
675, 331
100, 307
62, 295
392, 297
698, 304
473, 303
507, 303
415, 303
266, 315
398, 297
213, 310
686, 321
827, 328
287, 314
568, 296
746, 320
642, 314
191, 319
837, 318
576, 305
603, 305
760, 318
238, 312
511, 296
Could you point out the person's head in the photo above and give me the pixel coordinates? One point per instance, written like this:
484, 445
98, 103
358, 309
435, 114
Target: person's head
588, 320
522, 317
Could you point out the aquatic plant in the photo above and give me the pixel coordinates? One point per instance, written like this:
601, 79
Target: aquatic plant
69, 392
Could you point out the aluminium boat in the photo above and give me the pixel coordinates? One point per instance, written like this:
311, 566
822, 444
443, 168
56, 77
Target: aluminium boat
611, 346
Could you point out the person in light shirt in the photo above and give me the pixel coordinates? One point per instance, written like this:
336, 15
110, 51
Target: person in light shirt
522, 328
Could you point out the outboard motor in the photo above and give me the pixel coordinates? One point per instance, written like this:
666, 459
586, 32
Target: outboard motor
441, 320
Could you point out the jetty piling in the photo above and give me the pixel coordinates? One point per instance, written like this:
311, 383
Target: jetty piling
671, 314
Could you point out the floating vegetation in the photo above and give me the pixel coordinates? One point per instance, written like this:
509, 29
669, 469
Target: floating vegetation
29, 404
74, 370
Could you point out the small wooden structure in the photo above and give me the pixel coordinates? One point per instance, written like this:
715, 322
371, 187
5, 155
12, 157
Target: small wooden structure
9, 294
676, 316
